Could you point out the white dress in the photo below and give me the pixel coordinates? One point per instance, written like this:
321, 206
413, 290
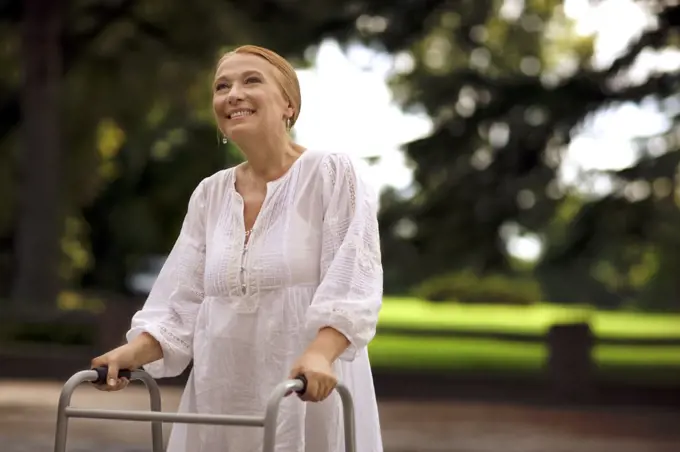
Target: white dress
244, 314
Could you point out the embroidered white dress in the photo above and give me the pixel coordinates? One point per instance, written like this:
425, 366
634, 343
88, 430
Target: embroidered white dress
245, 313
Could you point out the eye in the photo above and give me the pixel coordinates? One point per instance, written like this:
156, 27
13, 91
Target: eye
253, 79
220, 86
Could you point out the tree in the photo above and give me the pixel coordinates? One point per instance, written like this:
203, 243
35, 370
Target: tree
477, 73
130, 73
508, 87
38, 229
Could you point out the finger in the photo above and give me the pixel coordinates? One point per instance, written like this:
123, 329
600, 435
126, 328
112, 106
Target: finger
101, 387
317, 396
332, 384
298, 374
99, 361
326, 391
295, 372
312, 389
96, 362
329, 386
117, 386
112, 376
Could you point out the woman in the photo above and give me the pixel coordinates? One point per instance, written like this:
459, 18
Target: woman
276, 273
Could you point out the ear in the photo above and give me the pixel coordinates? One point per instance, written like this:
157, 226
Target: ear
290, 112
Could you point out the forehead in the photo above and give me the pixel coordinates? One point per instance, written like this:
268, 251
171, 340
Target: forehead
239, 63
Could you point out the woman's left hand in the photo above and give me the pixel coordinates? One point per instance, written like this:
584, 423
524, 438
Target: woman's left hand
318, 370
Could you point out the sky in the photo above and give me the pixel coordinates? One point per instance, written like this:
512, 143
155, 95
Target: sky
347, 105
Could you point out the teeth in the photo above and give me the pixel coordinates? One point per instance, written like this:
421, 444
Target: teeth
238, 114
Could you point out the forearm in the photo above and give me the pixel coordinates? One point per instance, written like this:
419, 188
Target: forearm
145, 349
330, 343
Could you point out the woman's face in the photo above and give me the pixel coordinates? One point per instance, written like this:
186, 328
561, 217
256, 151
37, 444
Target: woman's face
247, 98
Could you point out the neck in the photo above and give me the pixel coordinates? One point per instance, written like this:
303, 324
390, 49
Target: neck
269, 160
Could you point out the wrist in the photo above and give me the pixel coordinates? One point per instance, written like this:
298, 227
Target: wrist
329, 344
144, 350
316, 352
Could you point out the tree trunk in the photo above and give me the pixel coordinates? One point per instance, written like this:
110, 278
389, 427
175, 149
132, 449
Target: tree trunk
38, 230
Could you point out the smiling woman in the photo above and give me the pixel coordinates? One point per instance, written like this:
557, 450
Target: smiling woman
276, 274
262, 76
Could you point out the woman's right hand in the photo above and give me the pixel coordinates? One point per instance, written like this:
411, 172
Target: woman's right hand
118, 358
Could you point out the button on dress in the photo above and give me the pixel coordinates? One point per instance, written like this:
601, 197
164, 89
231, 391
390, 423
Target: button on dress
245, 311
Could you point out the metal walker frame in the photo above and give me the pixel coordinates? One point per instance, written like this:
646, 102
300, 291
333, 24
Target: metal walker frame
157, 417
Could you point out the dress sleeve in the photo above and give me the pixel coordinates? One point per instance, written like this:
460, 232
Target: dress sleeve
169, 313
349, 296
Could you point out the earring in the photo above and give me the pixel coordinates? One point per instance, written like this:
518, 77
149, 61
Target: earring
288, 124
224, 140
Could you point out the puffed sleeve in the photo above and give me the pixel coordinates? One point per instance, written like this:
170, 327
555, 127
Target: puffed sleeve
169, 313
349, 296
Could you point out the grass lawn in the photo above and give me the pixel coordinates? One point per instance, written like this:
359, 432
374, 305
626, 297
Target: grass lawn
526, 359
533, 319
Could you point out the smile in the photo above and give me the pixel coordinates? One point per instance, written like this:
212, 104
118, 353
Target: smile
240, 113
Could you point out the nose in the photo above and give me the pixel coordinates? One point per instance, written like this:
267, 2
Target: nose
235, 94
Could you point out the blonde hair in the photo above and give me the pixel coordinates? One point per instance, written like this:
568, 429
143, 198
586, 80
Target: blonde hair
288, 82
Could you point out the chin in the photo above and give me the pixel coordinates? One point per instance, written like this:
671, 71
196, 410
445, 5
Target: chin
243, 133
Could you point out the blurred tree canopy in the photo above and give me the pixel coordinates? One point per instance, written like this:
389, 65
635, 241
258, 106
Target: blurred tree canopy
105, 123
507, 83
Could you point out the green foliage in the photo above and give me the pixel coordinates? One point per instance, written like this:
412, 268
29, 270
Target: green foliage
136, 117
467, 287
508, 85
506, 88
624, 254
481, 72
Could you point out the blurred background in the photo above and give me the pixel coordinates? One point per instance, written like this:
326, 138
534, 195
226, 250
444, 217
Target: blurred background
528, 158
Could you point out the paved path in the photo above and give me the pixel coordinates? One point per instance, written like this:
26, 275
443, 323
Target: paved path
27, 414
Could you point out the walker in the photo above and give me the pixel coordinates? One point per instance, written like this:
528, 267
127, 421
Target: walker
157, 417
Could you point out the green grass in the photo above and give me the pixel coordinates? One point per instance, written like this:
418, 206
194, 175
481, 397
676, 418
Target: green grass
463, 355
633, 324
533, 319
433, 353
